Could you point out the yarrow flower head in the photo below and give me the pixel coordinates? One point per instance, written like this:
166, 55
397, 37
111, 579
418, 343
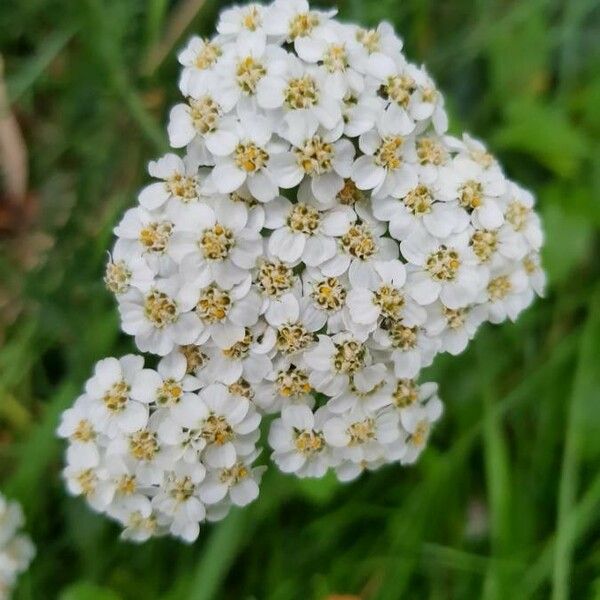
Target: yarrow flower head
16, 548
312, 242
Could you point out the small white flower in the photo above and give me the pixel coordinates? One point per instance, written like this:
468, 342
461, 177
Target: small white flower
214, 242
220, 426
112, 409
286, 385
16, 549
506, 294
199, 58
383, 167
125, 270
296, 324
446, 269
359, 435
76, 425
361, 247
478, 190
179, 181
454, 327
222, 314
294, 21
203, 120
411, 348
298, 442
417, 421
326, 162
302, 232
301, 93
178, 498
250, 162
138, 520
247, 19
238, 483
338, 361
147, 235
155, 318
247, 358
387, 299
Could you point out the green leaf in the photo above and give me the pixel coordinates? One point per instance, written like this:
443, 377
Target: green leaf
568, 241
88, 591
545, 133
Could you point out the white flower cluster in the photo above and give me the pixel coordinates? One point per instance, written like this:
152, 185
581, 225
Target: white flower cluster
16, 549
320, 240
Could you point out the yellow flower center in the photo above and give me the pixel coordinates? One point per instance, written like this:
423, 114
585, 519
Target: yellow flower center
390, 300
370, 39
84, 432
349, 195
388, 153
484, 244
499, 287
301, 93
361, 432
87, 480
159, 309
455, 317
293, 383
240, 349
274, 278
217, 242
293, 337
117, 396
419, 436
406, 393
213, 304
143, 445
302, 24
398, 89
471, 195
358, 242
250, 157
248, 73
430, 152
251, 19
315, 156
194, 358
154, 237
308, 443
216, 430
329, 294
241, 388
335, 58
303, 218
403, 337
443, 264
169, 393
182, 489
205, 113
419, 200
117, 277
349, 357
517, 214
182, 187
234, 474
208, 56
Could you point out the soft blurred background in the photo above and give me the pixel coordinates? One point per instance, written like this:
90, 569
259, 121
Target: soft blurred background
504, 504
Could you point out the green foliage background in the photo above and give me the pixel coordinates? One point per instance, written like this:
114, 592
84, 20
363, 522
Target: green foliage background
504, 504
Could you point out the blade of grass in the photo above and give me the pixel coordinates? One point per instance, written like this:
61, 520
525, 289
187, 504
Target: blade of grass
498, 491
50, 47
584, 389
583, 516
